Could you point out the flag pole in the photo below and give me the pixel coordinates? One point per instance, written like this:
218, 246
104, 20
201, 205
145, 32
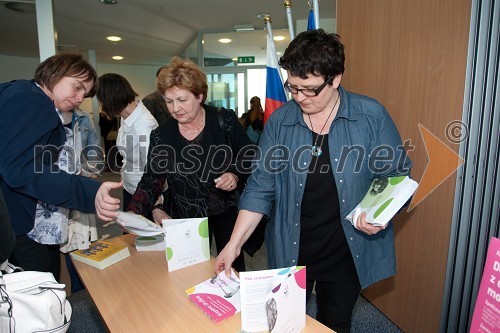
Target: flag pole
288, 7
267, 21
316, 13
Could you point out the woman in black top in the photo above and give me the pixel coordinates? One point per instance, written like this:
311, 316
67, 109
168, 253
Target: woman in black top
198, 155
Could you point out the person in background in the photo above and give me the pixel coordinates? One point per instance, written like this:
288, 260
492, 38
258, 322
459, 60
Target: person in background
109, 132
119, 100
155, 103
330, 135
253, 120
189, 152
31, 133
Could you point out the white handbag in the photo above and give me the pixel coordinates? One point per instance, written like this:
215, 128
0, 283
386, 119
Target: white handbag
32, 302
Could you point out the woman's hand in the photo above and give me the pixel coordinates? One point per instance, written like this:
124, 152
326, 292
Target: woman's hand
227, 182
159, 215
362, 225
226, 258
106, 206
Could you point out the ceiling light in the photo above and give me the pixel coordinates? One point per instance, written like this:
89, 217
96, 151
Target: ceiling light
225, 40
117, 57
114, 38
244, 27
278, 38
108, 2
234, 59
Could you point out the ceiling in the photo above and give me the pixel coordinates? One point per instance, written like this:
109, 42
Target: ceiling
152, 31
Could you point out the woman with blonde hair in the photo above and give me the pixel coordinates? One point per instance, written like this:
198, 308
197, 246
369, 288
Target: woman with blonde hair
198, 152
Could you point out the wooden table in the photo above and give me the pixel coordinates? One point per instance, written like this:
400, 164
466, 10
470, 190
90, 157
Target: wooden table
138, 294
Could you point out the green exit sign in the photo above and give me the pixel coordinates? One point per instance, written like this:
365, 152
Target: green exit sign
246, 60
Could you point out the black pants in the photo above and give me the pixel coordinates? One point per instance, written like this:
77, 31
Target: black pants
221, 226
335, 301
33, 256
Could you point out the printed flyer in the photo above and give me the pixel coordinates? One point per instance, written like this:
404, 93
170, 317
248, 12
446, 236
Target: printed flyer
486, 317
218, 297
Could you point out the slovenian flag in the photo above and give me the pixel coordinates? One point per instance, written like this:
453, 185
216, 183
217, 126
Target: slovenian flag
310, 20
275, 93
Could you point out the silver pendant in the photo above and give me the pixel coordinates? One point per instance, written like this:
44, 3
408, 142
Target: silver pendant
316, 151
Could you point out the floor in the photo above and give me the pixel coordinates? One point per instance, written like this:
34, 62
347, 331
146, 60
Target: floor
86, 318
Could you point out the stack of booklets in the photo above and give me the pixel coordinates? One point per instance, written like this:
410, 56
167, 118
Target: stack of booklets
218, 297
101, 254
384, 199
150, 243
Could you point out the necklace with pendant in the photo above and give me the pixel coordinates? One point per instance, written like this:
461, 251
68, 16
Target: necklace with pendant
196, 130
316, 150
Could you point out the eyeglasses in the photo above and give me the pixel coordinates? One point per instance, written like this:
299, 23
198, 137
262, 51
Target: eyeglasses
306, 92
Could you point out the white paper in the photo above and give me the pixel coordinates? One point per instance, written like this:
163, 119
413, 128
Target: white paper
186, 242
254, 287
138, 225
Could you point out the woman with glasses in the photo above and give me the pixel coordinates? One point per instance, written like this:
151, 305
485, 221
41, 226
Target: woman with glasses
327, 140
31, 137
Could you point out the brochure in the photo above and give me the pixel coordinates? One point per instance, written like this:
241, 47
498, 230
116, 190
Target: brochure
186, 242
486, 315
384, 199
218, 297
150, 243
273, 300
137, 224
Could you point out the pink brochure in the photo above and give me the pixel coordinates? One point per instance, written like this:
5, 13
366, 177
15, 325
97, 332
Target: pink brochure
486, 317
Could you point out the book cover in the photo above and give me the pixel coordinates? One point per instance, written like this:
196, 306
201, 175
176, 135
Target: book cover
384, 199
150, 243
218, 297
101, 254
137, 224
186, 242
259, 312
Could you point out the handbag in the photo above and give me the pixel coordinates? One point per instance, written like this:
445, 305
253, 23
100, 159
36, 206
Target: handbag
32, 301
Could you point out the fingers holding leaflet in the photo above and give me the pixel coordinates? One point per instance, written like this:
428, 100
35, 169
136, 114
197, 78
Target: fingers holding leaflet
106, 206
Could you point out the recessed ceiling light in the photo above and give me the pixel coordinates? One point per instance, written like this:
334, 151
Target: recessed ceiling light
278, 38
108, 2
225, 40
114, 38
234, 59
117, 57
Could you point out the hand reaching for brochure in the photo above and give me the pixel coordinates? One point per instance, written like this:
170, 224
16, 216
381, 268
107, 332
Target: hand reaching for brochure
226, 258
359, 222
159, 215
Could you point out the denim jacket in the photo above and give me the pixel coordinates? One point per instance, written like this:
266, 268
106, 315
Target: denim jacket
364, 144
87, 129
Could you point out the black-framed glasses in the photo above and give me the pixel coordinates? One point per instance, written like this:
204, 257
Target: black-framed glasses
306, 92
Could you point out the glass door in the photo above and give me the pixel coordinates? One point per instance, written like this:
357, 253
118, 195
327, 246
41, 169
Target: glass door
227, 89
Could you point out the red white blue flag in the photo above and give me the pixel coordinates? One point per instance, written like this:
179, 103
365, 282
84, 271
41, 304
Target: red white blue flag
275, 93
311, 23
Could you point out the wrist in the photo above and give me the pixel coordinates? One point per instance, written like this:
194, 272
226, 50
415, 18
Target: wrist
157, 206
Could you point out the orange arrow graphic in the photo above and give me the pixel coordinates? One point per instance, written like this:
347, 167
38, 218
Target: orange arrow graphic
443, 161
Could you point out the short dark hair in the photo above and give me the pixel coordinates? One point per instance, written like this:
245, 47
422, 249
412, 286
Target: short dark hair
114, 94
314, 52
54, 68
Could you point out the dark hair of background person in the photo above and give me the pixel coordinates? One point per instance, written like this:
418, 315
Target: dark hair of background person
256, 112
53, 69
114, 94
316, 52
159, 70
185, 74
